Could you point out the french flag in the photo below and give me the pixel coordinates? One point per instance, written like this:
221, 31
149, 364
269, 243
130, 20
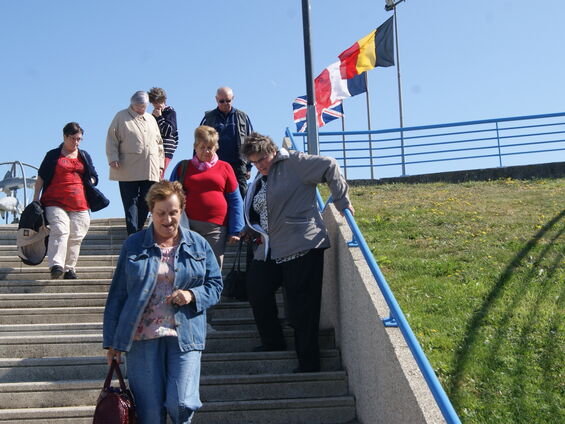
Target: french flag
330, 89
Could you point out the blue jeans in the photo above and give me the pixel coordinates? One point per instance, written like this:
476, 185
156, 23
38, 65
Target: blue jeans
135, 207
164, 380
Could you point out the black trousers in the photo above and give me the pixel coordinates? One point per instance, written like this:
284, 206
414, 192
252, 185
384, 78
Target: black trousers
135, 207
240, 171
301, 280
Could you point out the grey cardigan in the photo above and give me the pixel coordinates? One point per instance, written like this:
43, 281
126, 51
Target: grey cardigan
295, 223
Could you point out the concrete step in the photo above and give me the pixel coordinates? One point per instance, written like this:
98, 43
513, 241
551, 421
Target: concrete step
95, 327
14, 370
85, 249
14, 262
325, 410
51, 315
72, 314
54, 286
213, 388
52, 300
42, 346
25, 272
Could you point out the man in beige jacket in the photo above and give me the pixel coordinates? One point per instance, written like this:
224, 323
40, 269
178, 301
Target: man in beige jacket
134, 149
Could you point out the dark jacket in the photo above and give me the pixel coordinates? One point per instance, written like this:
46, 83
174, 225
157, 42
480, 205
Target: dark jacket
232, 128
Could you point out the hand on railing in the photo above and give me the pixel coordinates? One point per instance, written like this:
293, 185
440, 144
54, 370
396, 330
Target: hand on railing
351, 209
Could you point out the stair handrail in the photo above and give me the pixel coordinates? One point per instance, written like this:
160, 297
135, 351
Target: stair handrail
397, 317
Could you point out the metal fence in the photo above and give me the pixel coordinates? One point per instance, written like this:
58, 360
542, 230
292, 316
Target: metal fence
445, 147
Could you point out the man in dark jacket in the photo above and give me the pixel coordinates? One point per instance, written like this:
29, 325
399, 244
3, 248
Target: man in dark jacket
233, 125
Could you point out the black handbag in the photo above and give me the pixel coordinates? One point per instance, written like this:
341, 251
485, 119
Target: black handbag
95, 198
234, 283
115, 404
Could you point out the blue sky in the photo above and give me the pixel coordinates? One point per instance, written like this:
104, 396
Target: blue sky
81, 61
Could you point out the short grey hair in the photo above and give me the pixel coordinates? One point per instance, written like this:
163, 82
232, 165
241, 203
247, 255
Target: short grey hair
139, 98
256, 143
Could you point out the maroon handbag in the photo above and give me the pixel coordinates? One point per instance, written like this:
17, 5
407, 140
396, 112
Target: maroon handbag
115, 404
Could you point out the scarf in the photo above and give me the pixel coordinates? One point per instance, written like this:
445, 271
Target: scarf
203, 166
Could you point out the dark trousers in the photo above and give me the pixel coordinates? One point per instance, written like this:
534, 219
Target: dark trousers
301, 279
135, 207
240, 171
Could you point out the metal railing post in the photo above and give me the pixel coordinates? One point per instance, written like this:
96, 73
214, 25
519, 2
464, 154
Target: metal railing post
498, 144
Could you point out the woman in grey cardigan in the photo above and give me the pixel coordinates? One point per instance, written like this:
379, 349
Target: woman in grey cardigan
282, 213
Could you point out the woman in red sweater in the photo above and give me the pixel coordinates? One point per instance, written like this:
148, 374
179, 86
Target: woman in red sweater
213, 203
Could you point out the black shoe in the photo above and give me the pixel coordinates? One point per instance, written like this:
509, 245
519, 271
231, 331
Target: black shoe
268, 348
56, 272
70, 275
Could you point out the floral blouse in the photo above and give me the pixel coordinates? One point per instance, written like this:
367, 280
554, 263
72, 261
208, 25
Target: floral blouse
158, 319
260, 206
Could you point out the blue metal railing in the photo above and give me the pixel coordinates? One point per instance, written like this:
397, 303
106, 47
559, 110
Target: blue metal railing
446, 147
397, 317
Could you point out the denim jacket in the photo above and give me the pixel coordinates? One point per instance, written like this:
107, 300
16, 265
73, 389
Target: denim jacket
135, 278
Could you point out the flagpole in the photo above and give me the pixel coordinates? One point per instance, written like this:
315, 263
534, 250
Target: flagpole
343, 141
311, 119
369, 124
391, 5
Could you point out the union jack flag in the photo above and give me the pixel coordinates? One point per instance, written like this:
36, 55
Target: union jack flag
327, 114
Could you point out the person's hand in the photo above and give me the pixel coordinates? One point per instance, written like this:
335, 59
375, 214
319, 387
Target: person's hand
180, 297
113, 354
158, 108
233, 239
115, 164
350, 207
247, 236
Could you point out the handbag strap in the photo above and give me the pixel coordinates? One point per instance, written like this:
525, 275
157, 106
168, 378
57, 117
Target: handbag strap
115, 367
238, 256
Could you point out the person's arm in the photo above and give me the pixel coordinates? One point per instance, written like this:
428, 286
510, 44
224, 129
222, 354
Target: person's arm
235, 205
314, 169
208, 294
38, 188
235, 215
91, 168
168, 124
115, 301
175, 173
113, 144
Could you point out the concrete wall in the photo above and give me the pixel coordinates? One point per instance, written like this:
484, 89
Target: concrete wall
521, 172
383, 376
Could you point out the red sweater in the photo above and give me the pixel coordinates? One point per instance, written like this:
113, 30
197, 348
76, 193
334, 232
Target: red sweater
205, 200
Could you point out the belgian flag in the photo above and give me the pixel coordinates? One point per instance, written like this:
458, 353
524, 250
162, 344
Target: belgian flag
375, 49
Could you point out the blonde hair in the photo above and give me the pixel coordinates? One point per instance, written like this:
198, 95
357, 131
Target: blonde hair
207, 135
163, 190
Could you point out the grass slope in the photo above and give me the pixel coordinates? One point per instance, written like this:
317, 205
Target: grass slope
479, 270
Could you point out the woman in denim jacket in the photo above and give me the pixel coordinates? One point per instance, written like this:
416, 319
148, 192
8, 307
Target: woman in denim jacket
165, 279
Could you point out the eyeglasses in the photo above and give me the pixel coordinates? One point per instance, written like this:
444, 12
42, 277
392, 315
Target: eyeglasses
222, 101
75, 137
258, 161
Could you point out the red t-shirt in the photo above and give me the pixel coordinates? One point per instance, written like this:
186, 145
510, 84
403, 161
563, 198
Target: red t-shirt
66, 189
205, 191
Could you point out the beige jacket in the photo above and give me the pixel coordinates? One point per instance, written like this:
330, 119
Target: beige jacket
135, 142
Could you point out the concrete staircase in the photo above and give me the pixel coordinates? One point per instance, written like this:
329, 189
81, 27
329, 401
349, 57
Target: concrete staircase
52, 364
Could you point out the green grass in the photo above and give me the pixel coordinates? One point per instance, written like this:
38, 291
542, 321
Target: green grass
479, 270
